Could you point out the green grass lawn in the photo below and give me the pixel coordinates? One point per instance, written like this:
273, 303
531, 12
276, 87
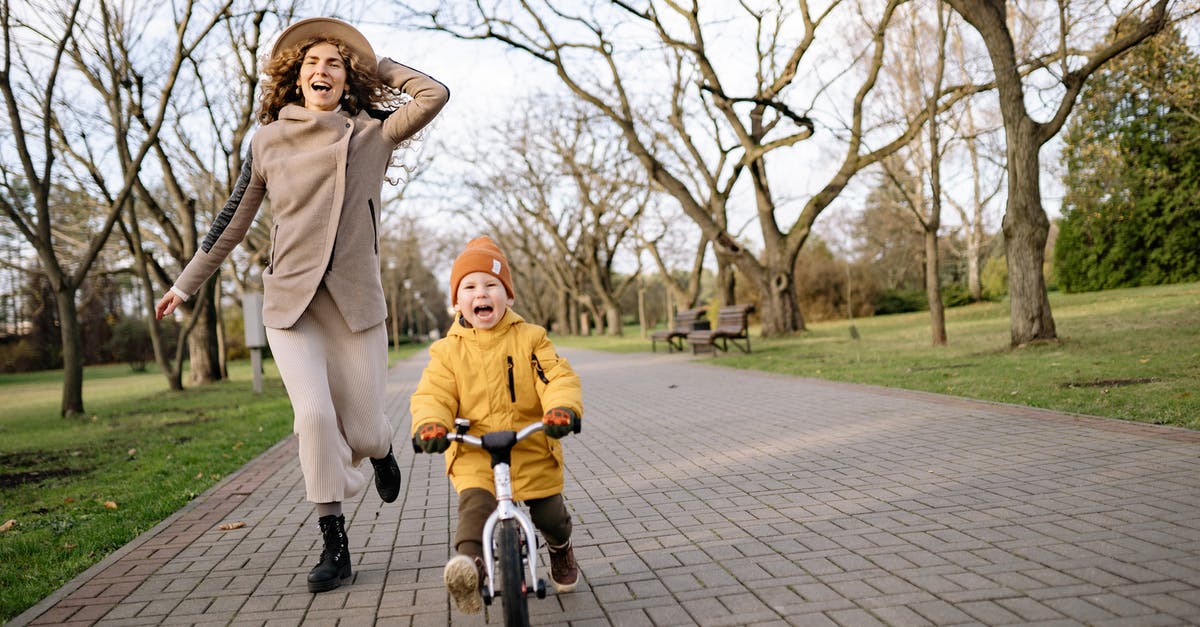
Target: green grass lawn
78, 489
1132, 354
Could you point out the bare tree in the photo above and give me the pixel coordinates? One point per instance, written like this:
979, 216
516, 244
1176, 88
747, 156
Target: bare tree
564, 194
118, 59
36, 122
682, 292
915, 170
612, 198
974, 137
1074, 55
702, 127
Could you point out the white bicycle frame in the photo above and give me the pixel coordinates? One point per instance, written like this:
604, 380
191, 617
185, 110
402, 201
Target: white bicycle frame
505, 509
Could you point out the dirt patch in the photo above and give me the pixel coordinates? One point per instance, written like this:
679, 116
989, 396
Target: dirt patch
943, 367
195, 419
1107, 383
32, 467
17, 479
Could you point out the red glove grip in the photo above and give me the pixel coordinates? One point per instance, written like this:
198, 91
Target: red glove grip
431, 431
558, 416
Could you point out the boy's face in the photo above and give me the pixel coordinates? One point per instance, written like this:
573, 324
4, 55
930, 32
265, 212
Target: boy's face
482, 300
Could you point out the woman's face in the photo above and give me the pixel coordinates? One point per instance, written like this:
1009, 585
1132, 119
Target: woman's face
322, 77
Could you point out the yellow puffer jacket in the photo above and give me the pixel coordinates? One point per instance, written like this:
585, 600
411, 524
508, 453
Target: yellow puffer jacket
502, 378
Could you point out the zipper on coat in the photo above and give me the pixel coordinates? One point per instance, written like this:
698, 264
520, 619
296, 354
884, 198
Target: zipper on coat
274, 238
537, 367
374, 224
512, 391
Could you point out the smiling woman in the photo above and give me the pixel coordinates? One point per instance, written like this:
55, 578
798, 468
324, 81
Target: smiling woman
332, 114
322, 77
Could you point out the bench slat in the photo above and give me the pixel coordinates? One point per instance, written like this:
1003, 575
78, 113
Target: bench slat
686, 321
732, 327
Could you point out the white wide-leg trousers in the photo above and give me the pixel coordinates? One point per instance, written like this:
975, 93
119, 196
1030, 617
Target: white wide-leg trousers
335, 379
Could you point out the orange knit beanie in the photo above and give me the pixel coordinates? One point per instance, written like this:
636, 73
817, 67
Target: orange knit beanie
480, 255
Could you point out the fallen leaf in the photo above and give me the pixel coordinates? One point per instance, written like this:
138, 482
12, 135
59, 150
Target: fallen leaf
8, 524
68, 500
1144, 360
110, 505
237, 446
200, 475
69, 545
132, 452
230, 526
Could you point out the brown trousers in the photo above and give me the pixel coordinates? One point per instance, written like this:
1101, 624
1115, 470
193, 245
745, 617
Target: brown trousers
549, 515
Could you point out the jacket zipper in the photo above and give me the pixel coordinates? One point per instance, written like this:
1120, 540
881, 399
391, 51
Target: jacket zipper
274, 238
537, 367
374, 225
512, 391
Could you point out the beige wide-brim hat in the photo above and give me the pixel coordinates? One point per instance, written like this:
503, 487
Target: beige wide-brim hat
320, 27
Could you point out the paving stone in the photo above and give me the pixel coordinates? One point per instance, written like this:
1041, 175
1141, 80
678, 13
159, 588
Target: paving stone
864, 506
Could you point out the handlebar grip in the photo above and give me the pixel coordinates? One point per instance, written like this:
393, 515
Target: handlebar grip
576, 423
416, 447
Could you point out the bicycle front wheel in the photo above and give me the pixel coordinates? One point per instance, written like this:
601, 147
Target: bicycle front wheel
512, 574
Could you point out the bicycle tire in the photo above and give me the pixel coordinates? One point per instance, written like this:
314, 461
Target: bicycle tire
512, 574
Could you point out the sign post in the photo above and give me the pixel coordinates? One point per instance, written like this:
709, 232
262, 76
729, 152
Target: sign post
256, 334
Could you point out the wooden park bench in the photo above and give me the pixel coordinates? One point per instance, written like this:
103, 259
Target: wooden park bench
686, 321
732, 328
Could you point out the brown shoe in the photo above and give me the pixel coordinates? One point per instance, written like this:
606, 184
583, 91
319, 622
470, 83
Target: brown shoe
462, 576
563, 571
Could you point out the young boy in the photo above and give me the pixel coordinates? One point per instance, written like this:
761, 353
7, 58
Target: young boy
501, 373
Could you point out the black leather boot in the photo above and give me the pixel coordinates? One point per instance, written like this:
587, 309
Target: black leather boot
335, 557
387, 477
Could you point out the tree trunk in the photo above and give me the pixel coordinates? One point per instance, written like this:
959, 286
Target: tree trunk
562, 314
641, 300
222, 341
974, 284
612, 315
1025, 231
780, 313
395, 317
72, 352
933, 289
133, 235
725, 291
203, 352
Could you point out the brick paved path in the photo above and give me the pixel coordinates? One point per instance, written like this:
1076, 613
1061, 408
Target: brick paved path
710, 496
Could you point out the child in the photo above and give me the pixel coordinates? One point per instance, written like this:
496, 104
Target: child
501, 373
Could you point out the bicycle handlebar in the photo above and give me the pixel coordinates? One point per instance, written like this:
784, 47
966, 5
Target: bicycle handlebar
485, 441
496, 440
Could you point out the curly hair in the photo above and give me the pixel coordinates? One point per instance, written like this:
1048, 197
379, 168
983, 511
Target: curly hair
364, 90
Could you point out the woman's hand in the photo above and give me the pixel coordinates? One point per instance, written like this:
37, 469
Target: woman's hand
167, 304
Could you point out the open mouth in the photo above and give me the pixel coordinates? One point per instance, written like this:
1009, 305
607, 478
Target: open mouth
321, 87
483, 309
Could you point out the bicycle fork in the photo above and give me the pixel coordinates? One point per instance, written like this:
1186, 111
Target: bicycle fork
506, 510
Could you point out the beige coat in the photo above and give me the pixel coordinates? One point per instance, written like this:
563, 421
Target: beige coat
502, 378
323, 172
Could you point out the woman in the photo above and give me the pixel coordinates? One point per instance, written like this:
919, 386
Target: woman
320, 156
